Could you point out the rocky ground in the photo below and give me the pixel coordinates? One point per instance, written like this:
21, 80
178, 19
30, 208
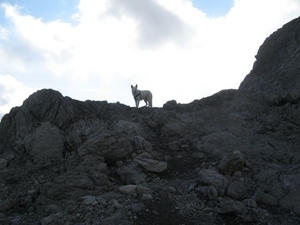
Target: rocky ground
232, 158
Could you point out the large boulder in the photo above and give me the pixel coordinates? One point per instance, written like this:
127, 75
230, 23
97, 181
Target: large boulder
45, 144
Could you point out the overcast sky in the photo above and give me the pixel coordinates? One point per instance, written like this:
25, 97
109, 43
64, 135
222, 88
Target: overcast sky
95, 49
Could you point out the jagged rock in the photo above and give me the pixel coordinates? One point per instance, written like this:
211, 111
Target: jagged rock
249, 202
146, 197
292, 200
3, 163
210, 192
265, 199
128, 189
212, 177
143, 190
45, 144
132, 174
152, 165
170, 105
113, 147
231, 207
277, 64
141, 143
232, 162
237, 190
88, 200
217, 144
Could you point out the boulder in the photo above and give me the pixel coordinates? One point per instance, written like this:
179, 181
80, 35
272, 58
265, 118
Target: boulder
231, 207
46, 144
292, 200
237, 190
3, 163
212, 177
265, 199
232, 162
152, 165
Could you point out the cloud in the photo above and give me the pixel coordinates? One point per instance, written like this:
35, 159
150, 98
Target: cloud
168, 47
155, 24
12, 93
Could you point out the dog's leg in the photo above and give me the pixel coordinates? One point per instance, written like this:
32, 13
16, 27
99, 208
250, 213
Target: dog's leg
137, 102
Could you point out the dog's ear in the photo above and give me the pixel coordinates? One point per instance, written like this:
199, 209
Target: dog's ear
131, 86
135, 86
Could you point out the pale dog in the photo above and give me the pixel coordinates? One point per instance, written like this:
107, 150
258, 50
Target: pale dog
139, 95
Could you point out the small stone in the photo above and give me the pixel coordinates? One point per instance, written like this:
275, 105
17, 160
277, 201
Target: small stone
232, 207
137, 207
212, 177
172, 189
3, 163
88, 200
250, 203
146, 197
128, 189
143, 190
152, 165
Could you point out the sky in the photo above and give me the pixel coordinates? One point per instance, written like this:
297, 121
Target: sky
96, 49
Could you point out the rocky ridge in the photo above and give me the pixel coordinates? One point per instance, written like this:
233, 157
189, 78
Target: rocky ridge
231, 158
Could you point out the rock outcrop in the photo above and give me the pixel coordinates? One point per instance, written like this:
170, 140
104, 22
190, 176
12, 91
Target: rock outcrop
231, 158
277, 65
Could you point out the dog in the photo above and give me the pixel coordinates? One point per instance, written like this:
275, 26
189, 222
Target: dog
139, 95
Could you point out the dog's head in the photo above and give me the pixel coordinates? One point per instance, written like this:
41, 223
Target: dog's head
134, 89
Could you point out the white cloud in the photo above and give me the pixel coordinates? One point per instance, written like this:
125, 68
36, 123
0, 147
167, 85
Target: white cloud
12, 93
166, 46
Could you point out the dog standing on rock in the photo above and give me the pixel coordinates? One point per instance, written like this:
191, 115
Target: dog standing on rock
139, 95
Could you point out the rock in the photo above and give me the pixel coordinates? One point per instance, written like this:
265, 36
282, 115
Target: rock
146, 197
170, 105
113, 206
88, 200
232, 162
292, 200
143, 190
152, 165
212, 177
141, 144
111, 146
276, 72
249, 202
52, 209
128, 189
137, 207
237, 190
131, 174
265, 199
3, 163
231, 207
216, 144
208, 192
45, 144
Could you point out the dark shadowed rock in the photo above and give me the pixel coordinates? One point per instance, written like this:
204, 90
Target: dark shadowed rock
45, 143
265, 199
212, 177
232, 162
237, 190
231, 207
152, 165
277, 63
